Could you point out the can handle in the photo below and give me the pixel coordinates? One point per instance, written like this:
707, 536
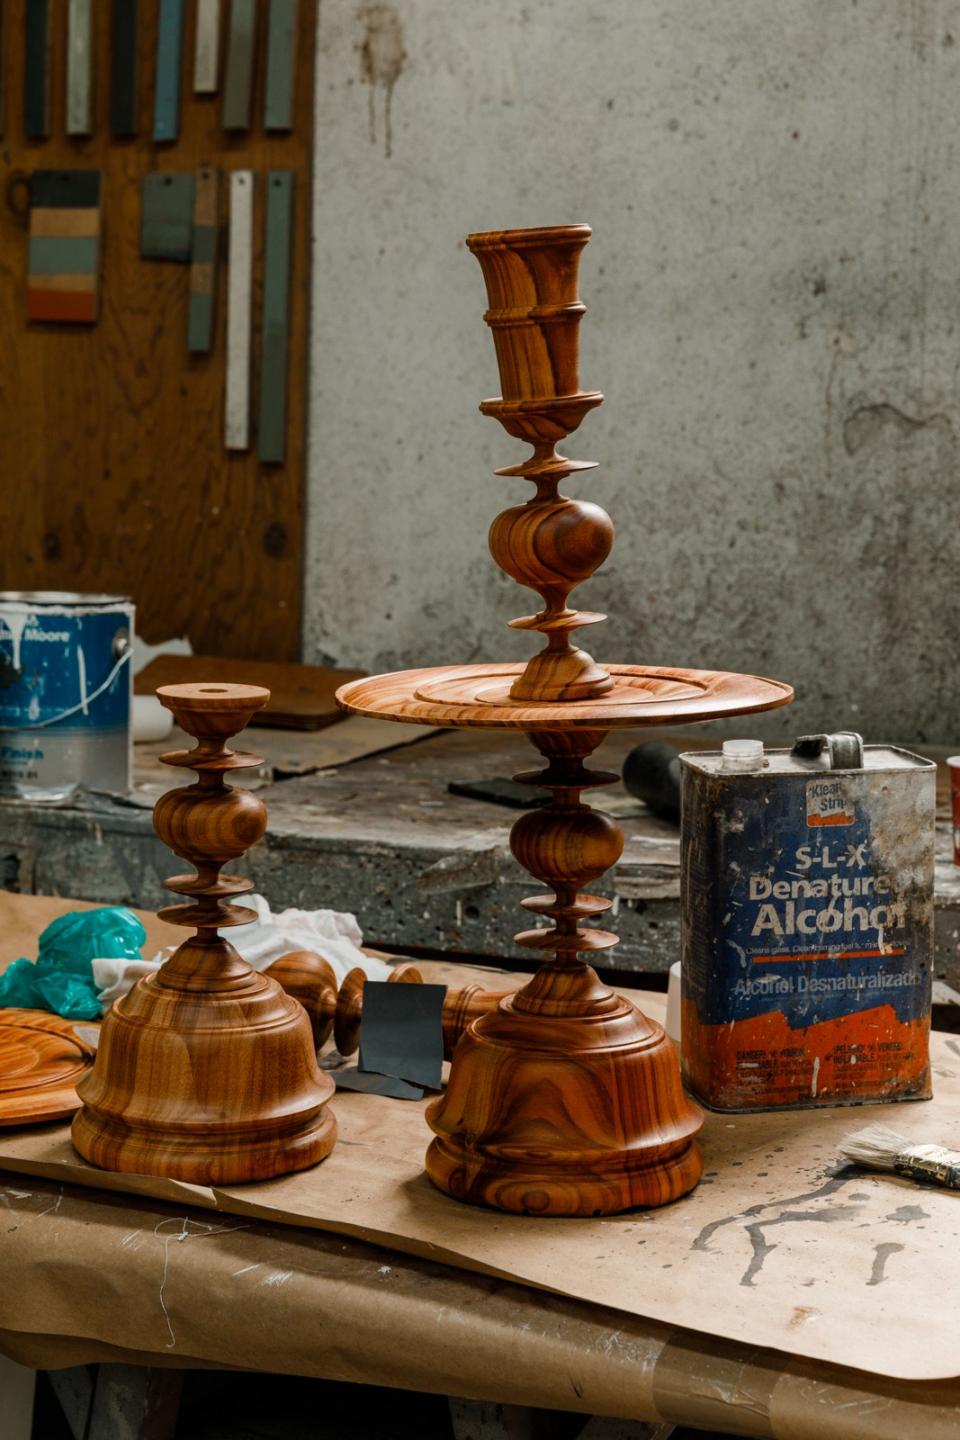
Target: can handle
123, 658
844, 749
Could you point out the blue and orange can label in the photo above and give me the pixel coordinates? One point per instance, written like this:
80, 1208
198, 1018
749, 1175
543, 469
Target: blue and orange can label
807, 925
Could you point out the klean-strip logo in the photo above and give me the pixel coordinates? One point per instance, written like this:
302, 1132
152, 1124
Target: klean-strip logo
828, 803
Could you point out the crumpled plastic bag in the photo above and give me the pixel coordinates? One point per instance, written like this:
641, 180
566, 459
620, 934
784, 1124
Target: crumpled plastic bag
62, 978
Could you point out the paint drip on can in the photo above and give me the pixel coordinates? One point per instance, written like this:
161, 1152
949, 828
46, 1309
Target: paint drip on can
65, 689
807, 924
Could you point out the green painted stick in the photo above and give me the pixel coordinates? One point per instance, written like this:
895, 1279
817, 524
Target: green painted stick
281, 65
238, 87
79, 67
36, 71
272, 421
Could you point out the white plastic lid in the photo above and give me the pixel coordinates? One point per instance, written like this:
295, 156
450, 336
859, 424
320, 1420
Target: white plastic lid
743, 755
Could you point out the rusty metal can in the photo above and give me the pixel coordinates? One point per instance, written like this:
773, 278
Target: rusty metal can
807, 924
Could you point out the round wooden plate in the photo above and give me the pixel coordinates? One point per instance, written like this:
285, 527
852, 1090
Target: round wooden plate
478, 695
41, 1060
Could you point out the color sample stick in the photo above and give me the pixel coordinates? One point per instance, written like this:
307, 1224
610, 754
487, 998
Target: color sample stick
3, 70
203, 265
272, 423
281, 65
238, 87
36, 70
166, 230
123, 69
166, 113
239, 311
64, 246
79, 67
206, 54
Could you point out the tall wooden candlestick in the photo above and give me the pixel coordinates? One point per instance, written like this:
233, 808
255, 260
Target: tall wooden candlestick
564, 1099
206, 1071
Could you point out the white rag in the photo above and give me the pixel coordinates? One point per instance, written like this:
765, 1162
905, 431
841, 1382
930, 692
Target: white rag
331, 933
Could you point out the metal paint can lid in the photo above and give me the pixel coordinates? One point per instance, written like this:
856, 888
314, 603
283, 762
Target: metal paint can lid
743, 755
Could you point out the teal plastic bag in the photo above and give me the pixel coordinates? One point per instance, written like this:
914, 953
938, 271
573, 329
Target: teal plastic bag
61, 980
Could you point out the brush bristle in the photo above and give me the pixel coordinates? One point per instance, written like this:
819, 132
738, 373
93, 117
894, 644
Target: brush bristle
877, 1147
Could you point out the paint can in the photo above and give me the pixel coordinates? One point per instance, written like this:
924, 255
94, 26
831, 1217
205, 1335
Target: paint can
807, 924
953, 769
65, 686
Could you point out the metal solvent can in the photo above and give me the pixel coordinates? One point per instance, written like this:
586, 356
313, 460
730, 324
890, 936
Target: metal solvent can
807, 924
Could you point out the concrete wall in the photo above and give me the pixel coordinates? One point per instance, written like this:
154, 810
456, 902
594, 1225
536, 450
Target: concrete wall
773, 289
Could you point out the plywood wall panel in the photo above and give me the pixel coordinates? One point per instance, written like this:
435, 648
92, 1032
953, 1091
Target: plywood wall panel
113, 471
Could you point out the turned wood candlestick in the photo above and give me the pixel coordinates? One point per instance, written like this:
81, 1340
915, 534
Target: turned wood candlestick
206, 1071
564, 1099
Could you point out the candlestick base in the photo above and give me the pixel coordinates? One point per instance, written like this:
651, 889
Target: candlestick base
564, 1114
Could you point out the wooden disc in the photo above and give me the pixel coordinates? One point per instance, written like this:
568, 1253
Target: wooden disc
41, 1060
478, 695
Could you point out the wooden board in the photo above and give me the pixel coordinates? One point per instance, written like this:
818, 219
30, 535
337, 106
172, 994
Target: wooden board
208, 543
301, 696
41, 1060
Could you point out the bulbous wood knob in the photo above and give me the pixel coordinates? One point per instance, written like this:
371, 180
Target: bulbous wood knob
566, 847
215, 827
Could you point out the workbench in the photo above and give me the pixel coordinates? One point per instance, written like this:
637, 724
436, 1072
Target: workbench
148, 1289
156, 1287
361, 820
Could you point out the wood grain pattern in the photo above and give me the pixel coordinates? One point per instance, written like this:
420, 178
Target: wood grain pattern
563, 1099
312, 980
41, 1060
124, 402
206, 1071
479, 695
550, 544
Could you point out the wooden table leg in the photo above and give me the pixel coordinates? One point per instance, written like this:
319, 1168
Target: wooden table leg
74, 1391
132, 1402
486, 1420
17, 1385
606, 1427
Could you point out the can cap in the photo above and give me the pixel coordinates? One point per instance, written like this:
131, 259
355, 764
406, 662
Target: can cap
743, 755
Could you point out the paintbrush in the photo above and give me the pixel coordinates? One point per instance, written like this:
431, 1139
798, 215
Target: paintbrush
880, 1148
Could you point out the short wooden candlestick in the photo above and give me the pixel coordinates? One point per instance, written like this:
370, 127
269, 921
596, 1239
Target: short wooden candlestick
563, 1099
206, 1071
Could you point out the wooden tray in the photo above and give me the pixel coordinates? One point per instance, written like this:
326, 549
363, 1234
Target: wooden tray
41, 1060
